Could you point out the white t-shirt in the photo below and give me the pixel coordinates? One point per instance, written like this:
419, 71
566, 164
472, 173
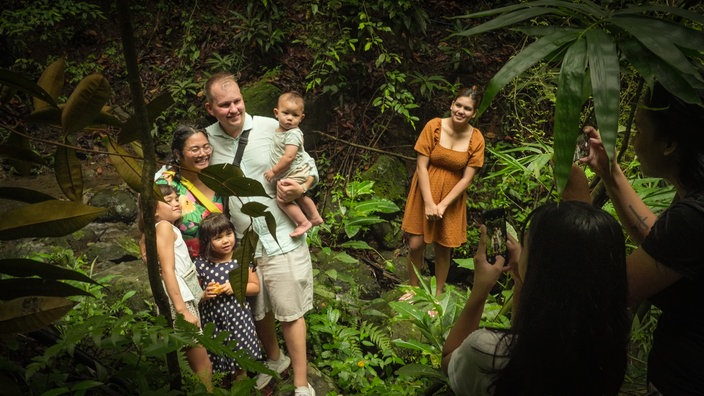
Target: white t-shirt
474, 363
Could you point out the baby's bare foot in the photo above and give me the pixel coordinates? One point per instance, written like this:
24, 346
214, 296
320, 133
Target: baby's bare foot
301, 229
317, 220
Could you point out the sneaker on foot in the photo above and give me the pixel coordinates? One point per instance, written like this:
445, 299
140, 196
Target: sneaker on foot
304, 391
279, 366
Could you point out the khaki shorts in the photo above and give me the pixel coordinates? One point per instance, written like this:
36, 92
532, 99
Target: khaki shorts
286, 285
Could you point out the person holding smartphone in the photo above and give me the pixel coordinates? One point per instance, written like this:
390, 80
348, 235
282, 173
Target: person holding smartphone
450, 152
667, 268
569, 324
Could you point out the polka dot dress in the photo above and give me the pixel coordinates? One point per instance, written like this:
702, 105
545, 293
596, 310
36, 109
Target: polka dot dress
227, 314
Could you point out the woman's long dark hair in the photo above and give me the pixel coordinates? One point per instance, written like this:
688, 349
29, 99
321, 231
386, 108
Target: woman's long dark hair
209, 228
675, 120
570, 332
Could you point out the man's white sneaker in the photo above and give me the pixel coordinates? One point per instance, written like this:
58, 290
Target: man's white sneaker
277, 365
304, 391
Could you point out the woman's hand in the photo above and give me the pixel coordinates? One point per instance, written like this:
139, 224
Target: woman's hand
486, 274
514, 254
431, 212
597, 160
441, 207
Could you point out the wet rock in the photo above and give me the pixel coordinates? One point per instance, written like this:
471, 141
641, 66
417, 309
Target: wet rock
121, 205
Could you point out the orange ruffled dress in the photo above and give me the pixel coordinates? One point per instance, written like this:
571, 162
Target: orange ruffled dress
445, 169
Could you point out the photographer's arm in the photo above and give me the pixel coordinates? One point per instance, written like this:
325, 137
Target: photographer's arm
485, 277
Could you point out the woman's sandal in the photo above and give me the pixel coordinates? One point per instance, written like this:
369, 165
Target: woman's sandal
407, 296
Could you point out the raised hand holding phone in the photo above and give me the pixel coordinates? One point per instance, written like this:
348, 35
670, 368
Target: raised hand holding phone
495, 222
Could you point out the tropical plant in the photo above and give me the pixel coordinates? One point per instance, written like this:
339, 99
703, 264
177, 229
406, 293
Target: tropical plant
356, 209
595, 44
44, 215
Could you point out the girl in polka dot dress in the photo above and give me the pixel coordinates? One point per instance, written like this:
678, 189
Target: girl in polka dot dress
219, 305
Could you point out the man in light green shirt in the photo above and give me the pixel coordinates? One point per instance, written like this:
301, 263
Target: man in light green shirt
284, 264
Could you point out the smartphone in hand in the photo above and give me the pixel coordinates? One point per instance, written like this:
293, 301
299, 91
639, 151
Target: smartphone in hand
581, 149
495, 222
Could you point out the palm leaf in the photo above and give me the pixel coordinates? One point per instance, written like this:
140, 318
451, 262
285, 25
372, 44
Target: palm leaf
568, 106
524, 60
681, 12
654, 69
508, 19
664, 43
604, 74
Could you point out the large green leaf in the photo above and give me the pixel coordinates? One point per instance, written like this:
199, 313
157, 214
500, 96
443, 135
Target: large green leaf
85, 103
652, 69
254, 209
604, 74
584, 7
241, 187
23, 195
663, 38
52, 81
507, 19
379, 205
18, 81
228, 180
68, 172
27, 314
244, 252
25, 287
130, 129
530, 55
46, 219
129, 168
568, 106
20, 267
661, 9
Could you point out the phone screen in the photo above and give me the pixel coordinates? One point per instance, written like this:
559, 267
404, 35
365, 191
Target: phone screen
581, 149
495, 222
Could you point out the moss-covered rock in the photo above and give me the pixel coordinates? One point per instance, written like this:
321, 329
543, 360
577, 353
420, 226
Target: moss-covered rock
260, 98
390, 178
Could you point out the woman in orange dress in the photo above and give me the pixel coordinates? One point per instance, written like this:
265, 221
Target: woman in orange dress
450, 152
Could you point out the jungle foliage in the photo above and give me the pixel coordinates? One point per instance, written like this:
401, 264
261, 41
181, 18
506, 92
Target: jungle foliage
372, 62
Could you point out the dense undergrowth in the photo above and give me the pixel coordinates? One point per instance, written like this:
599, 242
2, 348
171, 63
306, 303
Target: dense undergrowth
384, 68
